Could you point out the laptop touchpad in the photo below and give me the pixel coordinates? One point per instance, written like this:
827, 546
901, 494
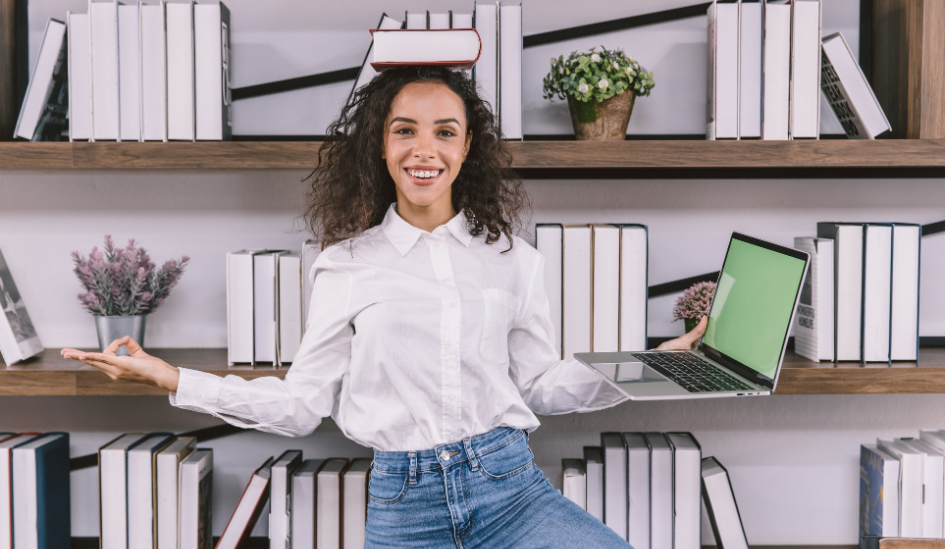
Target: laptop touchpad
628, 372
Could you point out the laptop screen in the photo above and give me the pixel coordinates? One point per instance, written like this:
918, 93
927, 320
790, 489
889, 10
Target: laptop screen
753, 306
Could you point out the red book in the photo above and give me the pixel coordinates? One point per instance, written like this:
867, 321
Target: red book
456, 49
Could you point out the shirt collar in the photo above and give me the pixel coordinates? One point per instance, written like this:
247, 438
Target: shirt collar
403, 235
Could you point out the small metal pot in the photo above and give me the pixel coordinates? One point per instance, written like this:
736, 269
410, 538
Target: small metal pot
111, 328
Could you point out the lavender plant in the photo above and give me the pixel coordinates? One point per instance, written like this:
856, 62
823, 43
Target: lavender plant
694, 303
124, 281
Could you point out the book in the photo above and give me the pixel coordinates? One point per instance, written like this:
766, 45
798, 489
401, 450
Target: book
7, 444
904, 314
240, 321
416, 20
910, 486
933, 489
455, 49
687, 493
290, 306
813, 326
574, 481
281, 497
113, 490
486, 71
511, 117
41, 493
129, 72
440, 20
354, 500
196, 500
18, 339
848, 91
328, 504
248, 510
212, 57
153, 48
576, 283
722, 73
879, 493
720, 506
549, 240
877, 284
638, 490
848, 287
614, 454
605, 288
179, 21
103, 48
634, 287
266, 306
367, 72
777, 71
142, 490
594, 467
310, 251
46, 103
750, 42
303, 503
805, 70
167, 466
661, 491
461, 20
79, 76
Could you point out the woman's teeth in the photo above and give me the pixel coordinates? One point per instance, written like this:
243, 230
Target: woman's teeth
424, 174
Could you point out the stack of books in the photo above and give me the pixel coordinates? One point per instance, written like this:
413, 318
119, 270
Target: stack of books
132, 72
860, 300
596, 279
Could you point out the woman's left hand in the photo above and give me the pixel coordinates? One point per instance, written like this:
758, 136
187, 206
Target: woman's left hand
687, 341
140, 367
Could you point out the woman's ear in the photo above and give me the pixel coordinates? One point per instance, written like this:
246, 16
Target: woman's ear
469, 136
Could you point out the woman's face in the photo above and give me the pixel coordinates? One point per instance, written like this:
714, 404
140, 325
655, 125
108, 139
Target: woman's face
425, 142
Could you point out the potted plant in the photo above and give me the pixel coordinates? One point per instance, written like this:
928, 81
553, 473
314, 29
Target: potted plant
694, 304
122, 286
600, 88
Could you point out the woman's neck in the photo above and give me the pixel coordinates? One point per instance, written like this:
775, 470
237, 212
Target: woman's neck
426, 218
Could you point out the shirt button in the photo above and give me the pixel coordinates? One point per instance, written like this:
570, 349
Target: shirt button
198, 395
444, 455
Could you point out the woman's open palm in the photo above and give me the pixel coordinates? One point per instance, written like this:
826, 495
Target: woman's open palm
140, 367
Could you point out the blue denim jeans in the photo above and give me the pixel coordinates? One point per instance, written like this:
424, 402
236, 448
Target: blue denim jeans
484, 491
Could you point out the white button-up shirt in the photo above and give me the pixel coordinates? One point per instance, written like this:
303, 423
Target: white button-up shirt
414, 339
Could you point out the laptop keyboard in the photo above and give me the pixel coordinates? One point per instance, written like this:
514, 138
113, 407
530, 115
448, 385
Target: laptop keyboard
692, 373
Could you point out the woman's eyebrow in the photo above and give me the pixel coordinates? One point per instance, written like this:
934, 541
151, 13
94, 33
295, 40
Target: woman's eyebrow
447, 121
402, 119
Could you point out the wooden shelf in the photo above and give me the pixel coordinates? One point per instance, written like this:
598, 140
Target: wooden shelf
51, 375
527, 155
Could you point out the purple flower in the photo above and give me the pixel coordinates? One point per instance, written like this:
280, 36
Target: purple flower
695, 301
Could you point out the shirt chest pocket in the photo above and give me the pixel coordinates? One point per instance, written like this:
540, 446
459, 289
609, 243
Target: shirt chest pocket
500, 308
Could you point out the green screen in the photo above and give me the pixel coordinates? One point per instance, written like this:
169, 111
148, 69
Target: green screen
753, 305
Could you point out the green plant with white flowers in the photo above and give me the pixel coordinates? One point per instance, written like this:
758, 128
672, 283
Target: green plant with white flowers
596, 76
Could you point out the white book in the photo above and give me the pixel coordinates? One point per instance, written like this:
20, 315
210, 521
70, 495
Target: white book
549, 239
266, 306
367, 71
594, 467
328, 503
153, 50
416, 20
399, 46
39, 119
290, 306
722, 100
281, 498
638, 490
196, 500
180, 71
113, 490
935, 439
911, 478
933, 496
777, 70
40, 492
687, 493
303, 503
605, 288
240, 322
848, 91
247, 511
614, 452
310, 251
848, 287
877, 280
813, 326
168, 468
510, 67
129, 72
574, 481
103, 47
18, 339
634, 291
462, 21
720, 505
750, 27
661, 492
80, 77
805, 70
576, 284
213, 105
356, 477
142, 491
904, 317
440, 20
486, 72
6, 487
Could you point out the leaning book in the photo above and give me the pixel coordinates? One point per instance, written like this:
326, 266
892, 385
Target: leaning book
18, 339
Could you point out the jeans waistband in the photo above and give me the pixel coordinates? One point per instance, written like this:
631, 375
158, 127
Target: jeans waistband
445, 455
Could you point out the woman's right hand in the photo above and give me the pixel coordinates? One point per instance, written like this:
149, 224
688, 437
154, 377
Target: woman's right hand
140, 367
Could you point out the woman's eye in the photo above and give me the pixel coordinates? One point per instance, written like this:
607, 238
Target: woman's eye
403, 131
447, 133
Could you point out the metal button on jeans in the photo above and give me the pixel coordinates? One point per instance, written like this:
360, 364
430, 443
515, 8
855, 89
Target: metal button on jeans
444, 455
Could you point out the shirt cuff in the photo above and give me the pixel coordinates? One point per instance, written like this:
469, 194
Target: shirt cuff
197, 390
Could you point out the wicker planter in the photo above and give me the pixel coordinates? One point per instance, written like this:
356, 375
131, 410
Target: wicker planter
604, 121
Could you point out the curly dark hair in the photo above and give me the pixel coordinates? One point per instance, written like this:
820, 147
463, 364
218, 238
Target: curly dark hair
351, 187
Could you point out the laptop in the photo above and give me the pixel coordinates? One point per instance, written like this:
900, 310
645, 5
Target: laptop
741, 352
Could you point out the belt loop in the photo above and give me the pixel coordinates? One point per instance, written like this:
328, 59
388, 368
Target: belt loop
413, 467
471, 455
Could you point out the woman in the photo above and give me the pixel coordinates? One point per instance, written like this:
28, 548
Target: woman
430, 338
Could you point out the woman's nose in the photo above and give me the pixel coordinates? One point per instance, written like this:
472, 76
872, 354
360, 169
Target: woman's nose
424, 147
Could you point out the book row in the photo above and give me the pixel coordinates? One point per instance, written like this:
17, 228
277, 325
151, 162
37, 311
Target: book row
767, 65
132, 72
860, 300
902, 491
648, 488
